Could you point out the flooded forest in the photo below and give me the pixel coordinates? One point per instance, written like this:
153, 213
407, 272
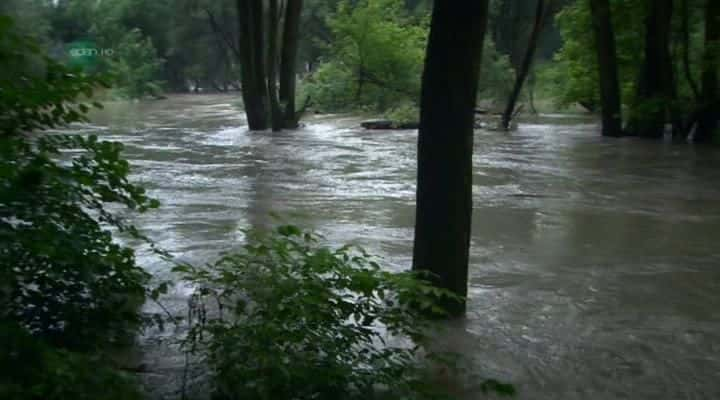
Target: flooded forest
359, 199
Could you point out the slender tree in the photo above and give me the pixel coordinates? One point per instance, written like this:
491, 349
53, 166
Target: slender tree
272, 64
655, 88
541, 12
710, 98
608, 68
288, 61
445, 143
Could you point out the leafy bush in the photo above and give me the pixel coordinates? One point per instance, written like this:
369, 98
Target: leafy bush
68, 290
288, 318
404, 114
135, 66
375, 60
31, 369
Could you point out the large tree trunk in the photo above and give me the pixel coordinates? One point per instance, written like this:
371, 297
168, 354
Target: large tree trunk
445, 144
540, 13
288, 61
710, 99
252, 63
655, 90
608, 68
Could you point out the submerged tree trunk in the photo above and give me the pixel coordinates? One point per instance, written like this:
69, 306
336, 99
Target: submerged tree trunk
608, 68
288, 62
276, 115
685, 21
445, 144
710, 98
540, 13
252, 63
656, 88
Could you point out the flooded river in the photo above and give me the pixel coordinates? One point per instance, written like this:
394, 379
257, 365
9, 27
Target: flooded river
595, 262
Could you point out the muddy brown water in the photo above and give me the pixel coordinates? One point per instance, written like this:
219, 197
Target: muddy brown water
595, 262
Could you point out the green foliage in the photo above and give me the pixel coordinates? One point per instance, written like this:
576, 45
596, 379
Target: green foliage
33, 370
68, 290
404, 114
285, 317
496, 74
574, 73
375, 58
136, 66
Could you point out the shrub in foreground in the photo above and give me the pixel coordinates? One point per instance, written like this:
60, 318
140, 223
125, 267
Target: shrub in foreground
285, 317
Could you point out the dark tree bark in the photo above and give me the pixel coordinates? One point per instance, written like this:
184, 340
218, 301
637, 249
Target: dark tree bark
253, 64
608, 68
540, 13
710, 98
656, 88
684, 7
445, 144
276, 115
288, 61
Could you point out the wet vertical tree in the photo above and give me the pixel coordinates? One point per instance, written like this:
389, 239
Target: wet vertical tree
272, 64
288, 61
608, 68
656, 88
541, 12
269, 40
710, 98
445, 143
253, 73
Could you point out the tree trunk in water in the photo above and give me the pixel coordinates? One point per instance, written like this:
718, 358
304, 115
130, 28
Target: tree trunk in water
445, 144
608, 69
655, 90
540, 13
710, 106
276, 115
252, 63
686, 48
288, 61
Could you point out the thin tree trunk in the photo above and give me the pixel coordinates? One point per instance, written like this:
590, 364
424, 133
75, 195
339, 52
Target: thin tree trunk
655, 90
272, 63
608, 68
445, 144
710, 106
288, 61
686, 48
252, 63
540, 13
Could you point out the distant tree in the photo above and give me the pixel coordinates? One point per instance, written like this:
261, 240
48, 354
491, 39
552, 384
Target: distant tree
655, 91
445, 144
710, 98
541, 13
607, 68
252, 49
289, 61
264, 54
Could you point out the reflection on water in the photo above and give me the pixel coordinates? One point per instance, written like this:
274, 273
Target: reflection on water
594, 261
